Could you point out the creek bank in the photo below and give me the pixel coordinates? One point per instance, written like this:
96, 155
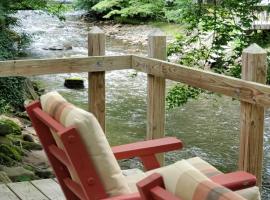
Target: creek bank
21, 157
18, 139
129, 33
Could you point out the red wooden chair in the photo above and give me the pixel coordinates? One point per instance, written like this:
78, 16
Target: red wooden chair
74, 156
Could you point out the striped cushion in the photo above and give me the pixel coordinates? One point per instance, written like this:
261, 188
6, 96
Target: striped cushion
188, 183
92, 134
204, 167
208, 170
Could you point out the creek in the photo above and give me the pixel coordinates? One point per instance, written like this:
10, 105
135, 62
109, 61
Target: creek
209, 126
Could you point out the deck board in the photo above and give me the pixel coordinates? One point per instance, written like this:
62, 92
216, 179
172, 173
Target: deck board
50, 188
45, 189
6, 193
26, 191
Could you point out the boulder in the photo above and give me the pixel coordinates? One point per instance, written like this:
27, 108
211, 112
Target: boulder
44, 173
27, 138
31, 145
9, 154
74, 83
17, 173
8, 126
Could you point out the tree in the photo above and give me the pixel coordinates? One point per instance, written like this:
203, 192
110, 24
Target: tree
217, 32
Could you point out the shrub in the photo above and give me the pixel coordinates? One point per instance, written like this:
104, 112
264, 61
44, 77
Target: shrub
13, 91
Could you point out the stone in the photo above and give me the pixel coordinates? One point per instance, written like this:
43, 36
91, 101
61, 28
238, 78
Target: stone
27, 138
36, 158
8, 126
15, 172
4, 177
44, 173
15, 120
31, 145
74, 83
67, 46
30, 130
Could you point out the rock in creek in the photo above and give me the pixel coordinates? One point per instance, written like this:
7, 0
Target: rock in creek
74, 83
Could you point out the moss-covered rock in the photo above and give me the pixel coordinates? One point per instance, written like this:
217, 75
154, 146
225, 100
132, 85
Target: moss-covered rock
18, 140
74, 83
8, 126
31, 145
9, 155
18, 173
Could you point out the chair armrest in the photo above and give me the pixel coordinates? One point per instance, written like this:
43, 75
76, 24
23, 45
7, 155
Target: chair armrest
149, 147
153, 188
235, 180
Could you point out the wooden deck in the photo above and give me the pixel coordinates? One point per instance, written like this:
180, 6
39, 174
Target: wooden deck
45, 189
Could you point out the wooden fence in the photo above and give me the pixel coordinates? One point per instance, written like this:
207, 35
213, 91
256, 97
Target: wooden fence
251, 91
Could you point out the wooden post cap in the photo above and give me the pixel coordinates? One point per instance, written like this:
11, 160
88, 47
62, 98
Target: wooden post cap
254, 49
96, 30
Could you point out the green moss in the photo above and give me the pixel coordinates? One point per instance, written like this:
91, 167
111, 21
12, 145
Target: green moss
11, 152
31, 145
9, 155
74, 78
23, 178
8, 126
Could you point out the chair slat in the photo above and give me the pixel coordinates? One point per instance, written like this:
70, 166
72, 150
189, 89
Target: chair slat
60, 155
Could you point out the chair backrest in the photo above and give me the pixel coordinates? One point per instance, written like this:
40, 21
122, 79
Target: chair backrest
85, 166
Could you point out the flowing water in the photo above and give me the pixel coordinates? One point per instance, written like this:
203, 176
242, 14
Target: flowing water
209, 126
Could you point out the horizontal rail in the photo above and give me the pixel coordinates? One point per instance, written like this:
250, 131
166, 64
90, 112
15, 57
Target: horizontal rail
247, 91
64, 65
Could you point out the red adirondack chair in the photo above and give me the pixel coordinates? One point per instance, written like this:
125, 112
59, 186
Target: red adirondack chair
90, 186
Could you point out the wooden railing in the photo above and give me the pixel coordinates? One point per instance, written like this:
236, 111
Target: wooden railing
254, 96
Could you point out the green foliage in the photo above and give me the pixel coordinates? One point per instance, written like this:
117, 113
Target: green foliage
86, 4
125, 9
216, 35
12, 44
58, 9
12, 91
179, 94
4, 107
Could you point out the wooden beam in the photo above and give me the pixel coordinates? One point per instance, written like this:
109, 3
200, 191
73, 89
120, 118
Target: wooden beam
243, 90
156, 92
63, 65
96, 80
254, 68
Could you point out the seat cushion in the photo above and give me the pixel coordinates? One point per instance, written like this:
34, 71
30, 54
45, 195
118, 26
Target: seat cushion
252, 193
188, 183
204, 167
135, 175
94, 138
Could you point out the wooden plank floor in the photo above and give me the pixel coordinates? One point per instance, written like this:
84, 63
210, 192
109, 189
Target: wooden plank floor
45, 189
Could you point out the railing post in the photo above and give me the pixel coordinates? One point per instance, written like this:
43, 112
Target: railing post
252, 116
156, 91
96, 80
